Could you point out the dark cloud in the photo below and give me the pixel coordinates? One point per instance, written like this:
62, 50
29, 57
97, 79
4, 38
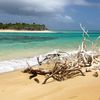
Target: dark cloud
33, 7
41, 11
39, 7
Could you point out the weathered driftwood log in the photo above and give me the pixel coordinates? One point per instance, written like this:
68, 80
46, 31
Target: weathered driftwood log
96, 74
35, 72
84, 59
39, 61
63, 76
48, 57
61, 72
36, 80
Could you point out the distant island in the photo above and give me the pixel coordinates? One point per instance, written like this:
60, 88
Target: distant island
23, 26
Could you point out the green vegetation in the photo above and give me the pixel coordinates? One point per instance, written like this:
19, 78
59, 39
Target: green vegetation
22, 26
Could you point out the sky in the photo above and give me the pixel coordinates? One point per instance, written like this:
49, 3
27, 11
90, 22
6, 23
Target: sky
55, 14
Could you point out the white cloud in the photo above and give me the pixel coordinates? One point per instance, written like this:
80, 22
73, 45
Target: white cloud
68, 18
64, 18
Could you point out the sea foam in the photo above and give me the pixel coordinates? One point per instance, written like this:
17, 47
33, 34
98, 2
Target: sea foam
11, 65
15, 64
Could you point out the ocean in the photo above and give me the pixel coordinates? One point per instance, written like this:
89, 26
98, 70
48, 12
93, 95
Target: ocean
15, 45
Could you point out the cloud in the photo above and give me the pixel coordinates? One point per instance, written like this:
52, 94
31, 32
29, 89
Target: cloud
82, 3
68, 18
53, 13
40, 7
32, 7
63, 18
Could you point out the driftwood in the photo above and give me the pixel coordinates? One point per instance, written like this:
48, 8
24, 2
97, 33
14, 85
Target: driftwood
48, 57
36, 80
68, 66
96, 74
85, 59
60, 72
35, 72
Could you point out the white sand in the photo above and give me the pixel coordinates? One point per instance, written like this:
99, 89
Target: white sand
17, 86
44, 31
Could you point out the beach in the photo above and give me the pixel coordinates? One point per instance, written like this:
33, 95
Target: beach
34, 31
49, 50
17, 86
18, 49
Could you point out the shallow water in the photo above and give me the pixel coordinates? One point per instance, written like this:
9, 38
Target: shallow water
18, 45
17, 48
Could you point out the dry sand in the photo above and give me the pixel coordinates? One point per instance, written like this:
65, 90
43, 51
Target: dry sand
35, 31
17, 86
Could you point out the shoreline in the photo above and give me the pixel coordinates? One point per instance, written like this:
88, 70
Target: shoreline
20, 63
9, 65
26, 31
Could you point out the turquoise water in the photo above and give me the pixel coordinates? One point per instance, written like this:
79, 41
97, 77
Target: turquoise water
19, 45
